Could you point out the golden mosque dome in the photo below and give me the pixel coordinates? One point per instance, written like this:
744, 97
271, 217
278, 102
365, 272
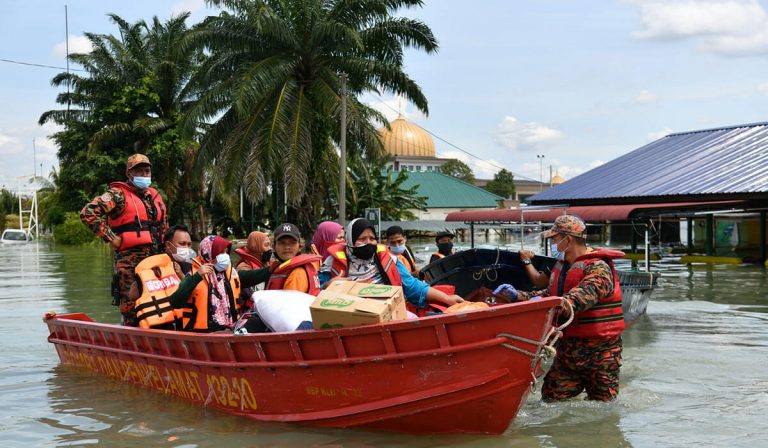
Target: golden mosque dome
558, 179
407, 139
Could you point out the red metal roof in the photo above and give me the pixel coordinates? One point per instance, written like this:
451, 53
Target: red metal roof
589, 213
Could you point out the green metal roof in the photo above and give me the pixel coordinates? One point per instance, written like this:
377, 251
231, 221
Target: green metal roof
444, 191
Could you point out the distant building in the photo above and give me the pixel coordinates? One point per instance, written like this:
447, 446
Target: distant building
446, 194
410, 146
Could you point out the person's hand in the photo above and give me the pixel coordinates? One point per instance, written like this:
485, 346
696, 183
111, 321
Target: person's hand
454, 299
506, 290
206, 269
526, 255
116, 242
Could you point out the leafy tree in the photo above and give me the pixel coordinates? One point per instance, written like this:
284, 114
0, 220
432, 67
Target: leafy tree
458, 169
272, 89
503, 184
376, 186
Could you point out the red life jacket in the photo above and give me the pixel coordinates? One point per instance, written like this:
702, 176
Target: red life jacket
279, 272
384, 261
133, 226
253, 262
605, 319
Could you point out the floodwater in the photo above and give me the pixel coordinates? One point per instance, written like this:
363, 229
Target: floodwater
695, 373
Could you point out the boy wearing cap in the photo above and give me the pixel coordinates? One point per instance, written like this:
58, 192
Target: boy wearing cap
131, 217
291, 270
396, 243
589, 354
444, 241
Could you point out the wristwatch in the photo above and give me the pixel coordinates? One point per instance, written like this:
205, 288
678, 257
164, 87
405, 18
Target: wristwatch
526, 262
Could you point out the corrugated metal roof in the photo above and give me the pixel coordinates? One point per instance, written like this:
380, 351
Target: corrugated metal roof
707, 162
444, 191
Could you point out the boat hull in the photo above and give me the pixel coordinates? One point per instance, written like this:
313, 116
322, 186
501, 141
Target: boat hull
444, 374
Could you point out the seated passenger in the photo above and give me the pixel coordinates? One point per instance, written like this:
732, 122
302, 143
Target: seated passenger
327, 234
396, 243
444, 241
215, 304
360, 258
256, 253
292, 270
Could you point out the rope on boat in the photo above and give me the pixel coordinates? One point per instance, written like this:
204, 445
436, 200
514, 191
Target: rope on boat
487, 271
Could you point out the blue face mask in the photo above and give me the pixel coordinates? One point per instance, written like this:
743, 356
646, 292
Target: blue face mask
222, 262
556, 253
397, 250
141, 182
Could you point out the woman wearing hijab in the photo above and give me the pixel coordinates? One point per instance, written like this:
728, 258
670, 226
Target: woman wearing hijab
327, 234
256, 253
215, 303
361, 258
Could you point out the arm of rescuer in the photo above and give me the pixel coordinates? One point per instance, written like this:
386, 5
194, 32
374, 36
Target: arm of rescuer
419, 292
538, 278
188, 284
252, 277
94, 215
596, 284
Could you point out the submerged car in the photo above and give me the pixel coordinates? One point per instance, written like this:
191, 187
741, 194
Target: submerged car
14, 236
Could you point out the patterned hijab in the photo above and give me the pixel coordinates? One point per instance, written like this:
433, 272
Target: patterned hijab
210, 247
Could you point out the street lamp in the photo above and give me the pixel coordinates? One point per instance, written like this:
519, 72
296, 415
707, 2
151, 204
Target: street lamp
541, 170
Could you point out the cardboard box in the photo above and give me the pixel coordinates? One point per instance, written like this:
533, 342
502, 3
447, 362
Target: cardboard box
348, 303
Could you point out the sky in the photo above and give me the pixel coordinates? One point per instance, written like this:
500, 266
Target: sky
520, 84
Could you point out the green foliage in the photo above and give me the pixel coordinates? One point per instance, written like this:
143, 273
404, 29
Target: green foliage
9, 202
72, 231
375, 186
11, 221
503, 184
459, 170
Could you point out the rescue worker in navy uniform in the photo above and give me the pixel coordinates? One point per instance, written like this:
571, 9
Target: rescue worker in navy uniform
589, 354
131, 217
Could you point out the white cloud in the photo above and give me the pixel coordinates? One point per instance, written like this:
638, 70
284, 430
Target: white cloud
762, 88
394, 106
187, 6
661, 133
725, 27
645, 97
19, 154
483, 169
77, 44
513, 134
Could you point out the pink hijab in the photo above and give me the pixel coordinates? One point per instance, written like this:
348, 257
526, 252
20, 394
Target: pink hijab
325, 237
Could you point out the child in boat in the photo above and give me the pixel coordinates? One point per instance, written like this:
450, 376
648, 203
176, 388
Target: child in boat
290, 269
360, 258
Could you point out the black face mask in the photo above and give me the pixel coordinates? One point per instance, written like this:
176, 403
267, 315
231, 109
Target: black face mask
364, 252
445, 248
266, 256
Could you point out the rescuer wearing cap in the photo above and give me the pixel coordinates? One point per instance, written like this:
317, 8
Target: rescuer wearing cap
131, 217
444, 242
589, 354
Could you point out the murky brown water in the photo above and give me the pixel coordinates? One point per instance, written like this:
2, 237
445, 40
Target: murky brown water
695, 373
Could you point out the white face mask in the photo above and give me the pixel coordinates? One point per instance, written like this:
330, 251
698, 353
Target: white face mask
184, 254
222, 262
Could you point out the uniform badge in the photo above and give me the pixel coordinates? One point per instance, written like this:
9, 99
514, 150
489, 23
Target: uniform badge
106, 197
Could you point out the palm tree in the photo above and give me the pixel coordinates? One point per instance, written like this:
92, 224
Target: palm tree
272, 89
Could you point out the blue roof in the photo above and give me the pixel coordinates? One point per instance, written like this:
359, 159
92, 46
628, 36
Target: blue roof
444, 191
732, 160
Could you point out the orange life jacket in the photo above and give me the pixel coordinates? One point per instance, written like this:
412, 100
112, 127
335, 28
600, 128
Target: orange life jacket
253, 262
158, 281
197, 309
604, 319
133, 226
279, 272
384, 261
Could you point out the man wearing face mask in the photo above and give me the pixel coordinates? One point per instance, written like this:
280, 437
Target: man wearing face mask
589, 354
444, 241
361, 259
131, 217
397, 245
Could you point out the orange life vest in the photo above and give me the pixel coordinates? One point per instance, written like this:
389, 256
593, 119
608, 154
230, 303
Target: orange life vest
279, 272
253, 262
158, 281
407, 260
604, 319
133, 226
196, 311
384, 261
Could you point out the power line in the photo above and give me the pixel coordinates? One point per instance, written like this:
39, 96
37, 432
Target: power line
456, 146
10, 61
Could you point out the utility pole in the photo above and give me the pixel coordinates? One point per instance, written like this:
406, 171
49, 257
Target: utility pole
34, 160
66, 44
343, 155
541, 171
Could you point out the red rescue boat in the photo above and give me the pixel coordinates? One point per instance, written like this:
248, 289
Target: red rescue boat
452, 373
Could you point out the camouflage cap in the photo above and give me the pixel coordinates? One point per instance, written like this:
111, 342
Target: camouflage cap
137, 159
567, 225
